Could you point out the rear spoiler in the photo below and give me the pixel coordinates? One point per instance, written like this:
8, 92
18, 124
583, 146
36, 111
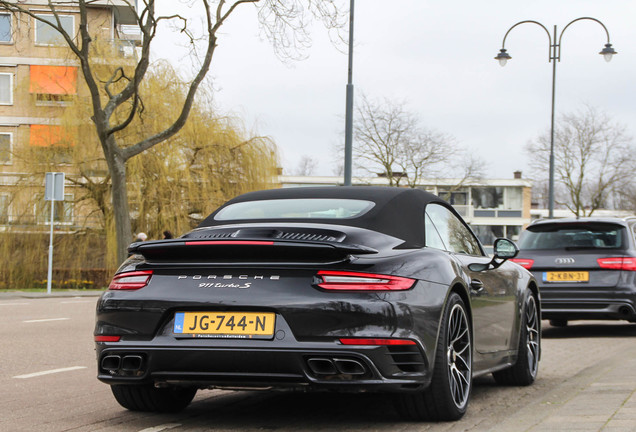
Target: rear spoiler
245, 251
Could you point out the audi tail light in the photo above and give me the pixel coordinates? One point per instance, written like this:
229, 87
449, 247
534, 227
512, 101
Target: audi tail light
526, 263
354, 281
617, 263
130, 280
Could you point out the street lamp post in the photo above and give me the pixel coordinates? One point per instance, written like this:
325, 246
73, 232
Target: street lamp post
554, 57
348, 159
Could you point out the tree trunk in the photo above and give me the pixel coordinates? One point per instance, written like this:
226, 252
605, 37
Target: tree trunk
119, 193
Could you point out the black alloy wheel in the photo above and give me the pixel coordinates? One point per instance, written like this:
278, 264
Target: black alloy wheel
449, 392
524, 371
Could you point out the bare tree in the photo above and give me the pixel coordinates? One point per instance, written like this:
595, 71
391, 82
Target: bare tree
306, 166
389, 138
116, 99
592, 157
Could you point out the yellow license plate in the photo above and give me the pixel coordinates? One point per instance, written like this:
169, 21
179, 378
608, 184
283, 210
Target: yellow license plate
569, 276
225, 324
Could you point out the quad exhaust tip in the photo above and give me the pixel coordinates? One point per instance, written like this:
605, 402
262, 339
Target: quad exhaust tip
131, 363
324, 367
111, 362
122, 365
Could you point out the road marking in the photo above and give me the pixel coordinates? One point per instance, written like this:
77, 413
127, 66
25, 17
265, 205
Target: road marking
46, 320
52, 371
13, 304
161, 427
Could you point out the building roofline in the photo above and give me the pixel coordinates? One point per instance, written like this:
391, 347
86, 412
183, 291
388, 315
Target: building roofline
383, 181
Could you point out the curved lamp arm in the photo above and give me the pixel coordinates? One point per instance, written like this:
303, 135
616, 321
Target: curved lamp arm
503, 56
608, 52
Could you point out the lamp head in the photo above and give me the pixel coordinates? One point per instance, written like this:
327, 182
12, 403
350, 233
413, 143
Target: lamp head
503, 57
608, 52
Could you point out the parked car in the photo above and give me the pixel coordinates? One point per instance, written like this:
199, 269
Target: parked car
338, 288
586, 267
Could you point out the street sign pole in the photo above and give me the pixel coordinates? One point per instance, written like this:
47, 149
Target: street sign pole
53, 191
50, 272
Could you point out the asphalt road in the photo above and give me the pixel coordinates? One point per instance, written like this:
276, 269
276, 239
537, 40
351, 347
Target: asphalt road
47, 383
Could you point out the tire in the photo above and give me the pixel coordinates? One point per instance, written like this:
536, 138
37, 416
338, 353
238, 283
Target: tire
149, 398
447, 396
558, 323
525, 369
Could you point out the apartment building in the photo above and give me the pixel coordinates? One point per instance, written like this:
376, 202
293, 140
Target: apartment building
39, 78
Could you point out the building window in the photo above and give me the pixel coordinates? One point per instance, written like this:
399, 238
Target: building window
5, 200
63, 210
45, 34
514, 198
488, 233
459, 197
5, 28
53, 85
6, 88
512, 232
53, 140
487, 197
5, 148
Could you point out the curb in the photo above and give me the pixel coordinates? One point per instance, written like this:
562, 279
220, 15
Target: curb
58, 294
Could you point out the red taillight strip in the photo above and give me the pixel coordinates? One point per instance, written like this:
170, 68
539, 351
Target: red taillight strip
375, 341
104, 338
229, 243
130, 280
526, 263
354, 281
617, 263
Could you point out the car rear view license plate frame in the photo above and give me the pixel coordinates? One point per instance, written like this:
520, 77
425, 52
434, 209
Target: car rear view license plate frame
566, 276
230, 325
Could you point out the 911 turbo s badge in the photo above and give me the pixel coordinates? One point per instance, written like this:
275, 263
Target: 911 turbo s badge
228, 281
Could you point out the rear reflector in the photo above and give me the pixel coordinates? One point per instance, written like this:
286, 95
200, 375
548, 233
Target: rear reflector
130, 280
617, 263
523, 262
375, 341
104, 338
353, 281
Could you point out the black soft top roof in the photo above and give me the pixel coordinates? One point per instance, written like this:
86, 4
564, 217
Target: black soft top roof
398, 212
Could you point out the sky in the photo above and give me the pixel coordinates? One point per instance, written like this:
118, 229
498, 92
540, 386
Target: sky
438, 58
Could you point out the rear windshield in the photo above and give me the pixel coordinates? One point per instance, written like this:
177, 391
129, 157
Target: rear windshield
307, 208
573, 236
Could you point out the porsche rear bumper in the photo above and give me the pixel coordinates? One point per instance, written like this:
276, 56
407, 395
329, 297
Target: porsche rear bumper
312, 366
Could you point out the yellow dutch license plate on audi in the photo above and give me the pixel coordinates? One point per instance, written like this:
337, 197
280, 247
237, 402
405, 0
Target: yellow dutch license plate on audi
568, 276
258, 325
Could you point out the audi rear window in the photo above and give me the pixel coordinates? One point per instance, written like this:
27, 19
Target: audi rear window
303, 208
573, 236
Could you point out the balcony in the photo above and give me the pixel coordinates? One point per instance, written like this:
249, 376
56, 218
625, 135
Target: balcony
130, 33
469, 211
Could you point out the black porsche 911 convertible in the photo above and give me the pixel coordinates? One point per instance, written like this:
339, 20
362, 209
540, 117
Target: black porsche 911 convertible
336, 288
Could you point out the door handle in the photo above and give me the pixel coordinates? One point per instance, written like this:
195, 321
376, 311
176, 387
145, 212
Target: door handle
476, 285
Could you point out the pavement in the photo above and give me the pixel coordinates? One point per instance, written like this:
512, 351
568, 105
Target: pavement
9, 295
601, 397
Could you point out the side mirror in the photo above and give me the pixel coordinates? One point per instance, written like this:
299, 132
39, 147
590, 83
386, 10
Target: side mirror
503, 249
